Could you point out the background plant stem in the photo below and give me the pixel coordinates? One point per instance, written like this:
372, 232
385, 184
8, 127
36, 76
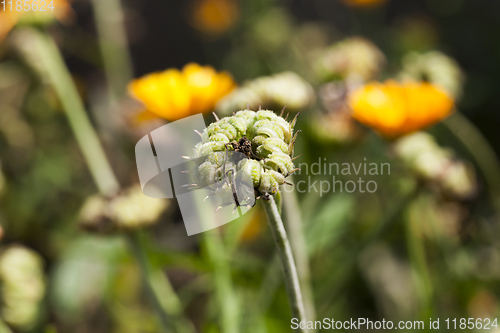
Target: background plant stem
168, 306
41, 51
113, 43
418, 261
480, 150
286, 257
37, 47
225, 297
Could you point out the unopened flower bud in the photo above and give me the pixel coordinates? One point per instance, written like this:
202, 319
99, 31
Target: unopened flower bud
23, 286
131, 209
428, 160
279, 90
265, 144
435, 67
351, 59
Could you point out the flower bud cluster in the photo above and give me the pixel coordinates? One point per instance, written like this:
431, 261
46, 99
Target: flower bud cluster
268, 139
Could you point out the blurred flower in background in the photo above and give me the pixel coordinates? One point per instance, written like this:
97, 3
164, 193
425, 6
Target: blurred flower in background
254, 227
214, 17
270, 92
10, 18
438, 165
23, 287
365, 3
175, 94
394, 109
336, 125
336, 128
354, 58
129, 210
435, 67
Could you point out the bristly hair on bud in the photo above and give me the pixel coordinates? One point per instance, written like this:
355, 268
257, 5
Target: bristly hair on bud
264, 138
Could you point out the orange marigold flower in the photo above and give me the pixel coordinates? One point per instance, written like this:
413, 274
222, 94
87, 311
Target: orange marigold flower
364, 3
9, 18
395, 109
214, 17
175, 94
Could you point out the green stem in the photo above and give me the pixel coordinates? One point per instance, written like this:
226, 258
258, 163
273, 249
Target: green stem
480, 150
41, 51
287, 262
113, 44
295, 229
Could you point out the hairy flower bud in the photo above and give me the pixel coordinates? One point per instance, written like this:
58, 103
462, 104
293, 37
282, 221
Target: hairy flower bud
265, 144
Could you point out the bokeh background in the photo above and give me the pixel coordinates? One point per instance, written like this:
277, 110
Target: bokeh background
425, 245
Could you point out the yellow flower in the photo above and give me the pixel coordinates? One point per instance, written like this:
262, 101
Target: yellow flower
364, 3
395, 109
175, 94
214, 17
9, 18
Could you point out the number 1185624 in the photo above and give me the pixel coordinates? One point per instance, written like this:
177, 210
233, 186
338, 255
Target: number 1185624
471, 323
27, 5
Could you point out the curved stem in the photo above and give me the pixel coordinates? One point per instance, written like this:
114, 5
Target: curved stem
287, 262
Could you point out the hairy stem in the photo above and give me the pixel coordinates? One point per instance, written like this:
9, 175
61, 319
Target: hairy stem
295, 228
286, 257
